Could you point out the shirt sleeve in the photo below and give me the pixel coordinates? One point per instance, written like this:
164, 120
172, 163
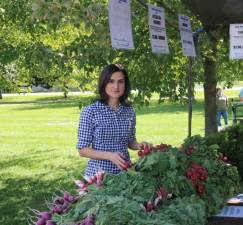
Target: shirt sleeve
85, 129
132, 134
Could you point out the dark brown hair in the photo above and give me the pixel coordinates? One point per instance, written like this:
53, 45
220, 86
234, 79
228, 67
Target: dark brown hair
105, 78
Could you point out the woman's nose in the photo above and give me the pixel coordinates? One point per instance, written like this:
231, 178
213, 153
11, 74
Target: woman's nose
116, 84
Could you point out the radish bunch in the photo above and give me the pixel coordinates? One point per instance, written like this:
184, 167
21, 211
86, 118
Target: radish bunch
197, 174
96, 179
224, 158
61, 205
42, 218
189, 151
128, 164
162, 195
147, 150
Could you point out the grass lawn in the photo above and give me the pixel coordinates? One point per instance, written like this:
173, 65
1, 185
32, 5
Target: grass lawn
37, 146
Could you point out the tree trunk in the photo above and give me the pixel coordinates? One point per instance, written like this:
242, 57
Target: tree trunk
1, 96
210, 85
65, 89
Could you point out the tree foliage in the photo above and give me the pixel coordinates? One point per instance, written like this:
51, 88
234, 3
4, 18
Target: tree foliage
66, 43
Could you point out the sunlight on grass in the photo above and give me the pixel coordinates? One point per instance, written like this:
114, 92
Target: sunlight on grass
38, 138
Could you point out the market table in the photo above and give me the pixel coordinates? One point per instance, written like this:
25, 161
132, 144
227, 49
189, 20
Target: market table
231, 214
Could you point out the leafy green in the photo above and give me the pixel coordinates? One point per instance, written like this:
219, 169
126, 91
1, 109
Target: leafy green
123, 199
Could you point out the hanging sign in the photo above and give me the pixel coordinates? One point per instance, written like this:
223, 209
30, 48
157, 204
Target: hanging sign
157, 30
120, 24
186, 36
236, 41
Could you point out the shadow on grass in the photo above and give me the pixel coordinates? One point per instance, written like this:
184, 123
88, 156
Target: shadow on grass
55, 103
20, 194
26, 160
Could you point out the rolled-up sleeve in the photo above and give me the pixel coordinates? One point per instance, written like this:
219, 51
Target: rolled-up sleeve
132, 134
85, 129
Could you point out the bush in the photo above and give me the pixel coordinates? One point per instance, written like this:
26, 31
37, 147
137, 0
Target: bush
230, 142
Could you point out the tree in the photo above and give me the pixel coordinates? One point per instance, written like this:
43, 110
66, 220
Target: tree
89, 48
215, 16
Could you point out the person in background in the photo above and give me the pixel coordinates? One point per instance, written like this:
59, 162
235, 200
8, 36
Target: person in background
241, 95
222, 107
107, 127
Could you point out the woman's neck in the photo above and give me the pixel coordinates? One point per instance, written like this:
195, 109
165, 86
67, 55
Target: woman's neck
114, 104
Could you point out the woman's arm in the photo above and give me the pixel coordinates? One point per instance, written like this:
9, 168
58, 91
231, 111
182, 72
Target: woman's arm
115, 157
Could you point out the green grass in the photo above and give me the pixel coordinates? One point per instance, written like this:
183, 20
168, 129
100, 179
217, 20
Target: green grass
37, 146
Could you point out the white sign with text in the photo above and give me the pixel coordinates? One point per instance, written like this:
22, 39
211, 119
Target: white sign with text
157, 30
236, 41
120, 24
186, 36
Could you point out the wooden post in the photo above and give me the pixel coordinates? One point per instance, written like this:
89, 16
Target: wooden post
189, 96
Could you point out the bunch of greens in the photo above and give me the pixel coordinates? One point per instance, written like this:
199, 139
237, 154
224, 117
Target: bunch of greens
167, 185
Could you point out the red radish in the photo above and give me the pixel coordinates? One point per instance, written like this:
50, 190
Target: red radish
91, 180
67, 197
140, 153
80, 183
99, 177
149, 206
127, 165
57, 209
40, 221
146, 150
58, 200
162, 193
156, 201
45, 215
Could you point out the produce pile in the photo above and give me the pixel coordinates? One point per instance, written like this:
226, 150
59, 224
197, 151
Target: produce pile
167, 185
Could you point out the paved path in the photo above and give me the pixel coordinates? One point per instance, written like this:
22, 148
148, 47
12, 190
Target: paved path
80, 93
47, 94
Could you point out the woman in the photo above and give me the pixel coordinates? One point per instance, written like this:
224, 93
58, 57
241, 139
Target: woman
107, 127
241, 95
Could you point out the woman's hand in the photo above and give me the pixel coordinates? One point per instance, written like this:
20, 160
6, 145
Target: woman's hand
139, 145
144, 145
118, 159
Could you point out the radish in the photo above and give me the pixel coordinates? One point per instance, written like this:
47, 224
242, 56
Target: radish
140, 153
40, 221
57, 209
99, 177
127, 165
58, 200
67, 196
146, 150
149, 206
80, 184
45, 215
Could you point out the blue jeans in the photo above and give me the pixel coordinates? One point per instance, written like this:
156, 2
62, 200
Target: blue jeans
223, 113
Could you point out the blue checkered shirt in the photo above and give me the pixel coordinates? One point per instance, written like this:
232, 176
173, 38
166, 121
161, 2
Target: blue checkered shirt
104, 129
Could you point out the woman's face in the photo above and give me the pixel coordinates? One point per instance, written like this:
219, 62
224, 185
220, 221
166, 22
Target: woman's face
116, 86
